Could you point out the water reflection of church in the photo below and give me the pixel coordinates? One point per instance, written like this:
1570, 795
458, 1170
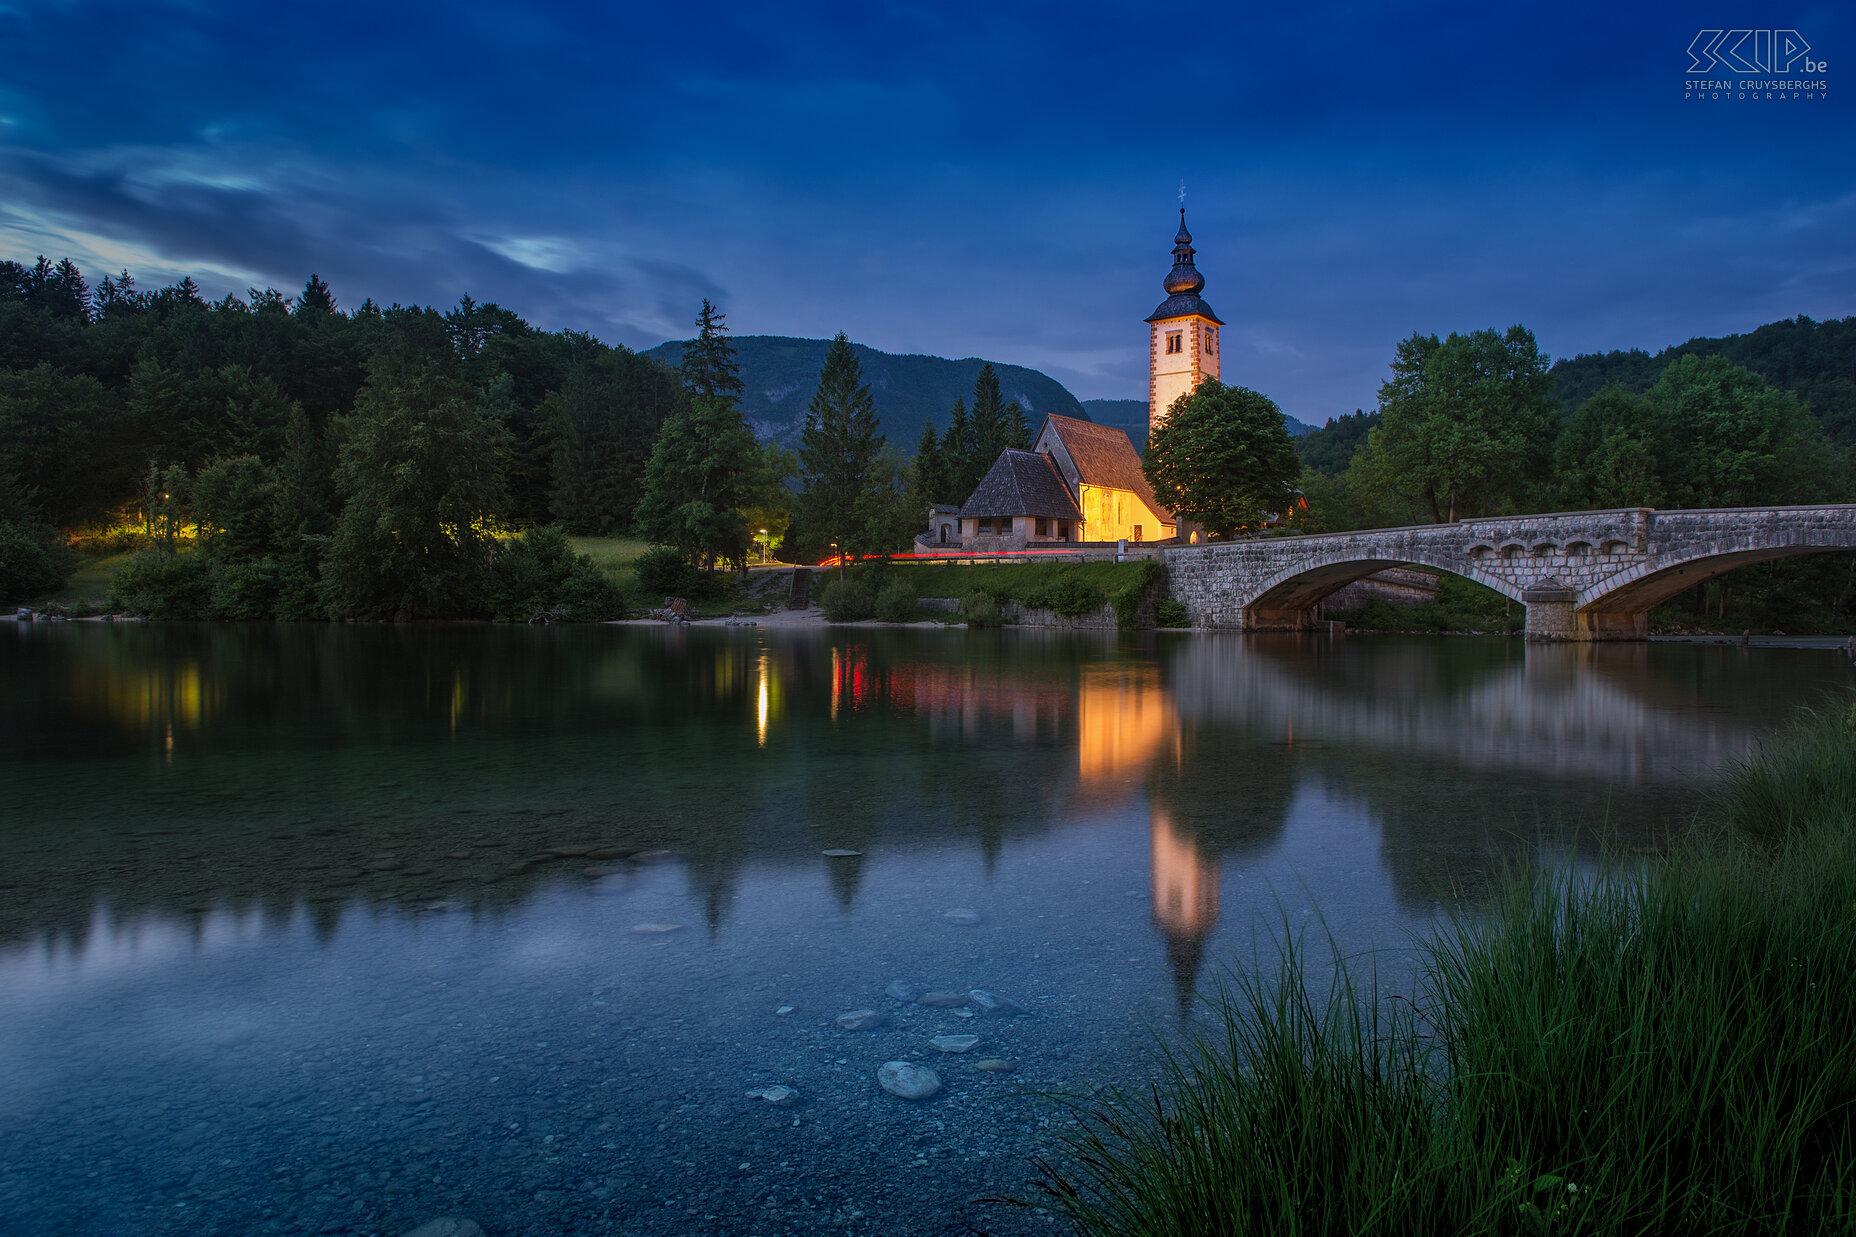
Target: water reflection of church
1127, 723
1126, 727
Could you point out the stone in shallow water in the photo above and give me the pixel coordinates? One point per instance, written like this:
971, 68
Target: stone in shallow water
955, 1043
840, 853
902, 990
962, 914
447, 1226
996, 1005
656, 929
941, 1000
778, 1096
861, 1020
994, 1065
908, 1080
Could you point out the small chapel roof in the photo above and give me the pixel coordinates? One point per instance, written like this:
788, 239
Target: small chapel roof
1104, 456
1022, 483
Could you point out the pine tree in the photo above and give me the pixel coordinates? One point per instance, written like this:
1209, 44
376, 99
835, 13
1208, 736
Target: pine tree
927, 472
65, 292
957, 457
709, 367
838, 452
997, 423
316, 297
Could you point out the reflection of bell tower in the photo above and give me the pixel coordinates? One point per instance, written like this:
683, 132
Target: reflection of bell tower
1185, 901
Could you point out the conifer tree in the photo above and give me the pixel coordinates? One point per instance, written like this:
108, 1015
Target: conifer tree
709, 367
838, 453
316, 297
997, 423
927, 472
957, 455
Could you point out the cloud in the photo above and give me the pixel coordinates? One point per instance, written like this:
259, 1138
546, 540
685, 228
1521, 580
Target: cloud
231, 218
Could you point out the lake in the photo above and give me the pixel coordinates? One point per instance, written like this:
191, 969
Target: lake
339, 929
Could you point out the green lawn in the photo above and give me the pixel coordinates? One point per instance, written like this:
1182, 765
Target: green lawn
612, 555
89, 585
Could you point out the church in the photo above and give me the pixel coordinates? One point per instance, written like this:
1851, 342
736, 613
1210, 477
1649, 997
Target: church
1082, 482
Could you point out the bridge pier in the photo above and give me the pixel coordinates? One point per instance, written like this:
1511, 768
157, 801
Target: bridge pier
1257, 619
1553, 614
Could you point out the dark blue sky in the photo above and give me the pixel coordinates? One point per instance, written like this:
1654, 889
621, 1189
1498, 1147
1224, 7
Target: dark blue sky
994, 179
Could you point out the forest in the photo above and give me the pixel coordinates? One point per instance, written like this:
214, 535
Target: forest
285, 456
282, 456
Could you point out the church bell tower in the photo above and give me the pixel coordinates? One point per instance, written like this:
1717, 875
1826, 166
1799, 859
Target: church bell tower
1184, 341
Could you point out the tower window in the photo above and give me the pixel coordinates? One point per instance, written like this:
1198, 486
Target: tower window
1173, 341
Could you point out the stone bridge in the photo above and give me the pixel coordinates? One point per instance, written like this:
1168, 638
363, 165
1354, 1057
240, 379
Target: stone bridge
1583, 575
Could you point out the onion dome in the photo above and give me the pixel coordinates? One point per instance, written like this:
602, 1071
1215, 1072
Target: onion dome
1183, 283
1184, 278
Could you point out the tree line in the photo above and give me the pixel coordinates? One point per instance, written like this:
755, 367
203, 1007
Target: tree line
379, 461
1474, 424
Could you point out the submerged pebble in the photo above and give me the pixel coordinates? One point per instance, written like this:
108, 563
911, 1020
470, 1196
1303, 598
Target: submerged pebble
861, 1020
908, 1080
778, 1096
656, 928
941, 1000
955, 1043
447, 1226
996, 1005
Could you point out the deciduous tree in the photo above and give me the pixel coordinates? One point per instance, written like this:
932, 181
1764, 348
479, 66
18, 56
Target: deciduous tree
1223, 459
1467, 424
420, 474
695, 485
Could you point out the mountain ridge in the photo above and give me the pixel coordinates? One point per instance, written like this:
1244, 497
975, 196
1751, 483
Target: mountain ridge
780, 374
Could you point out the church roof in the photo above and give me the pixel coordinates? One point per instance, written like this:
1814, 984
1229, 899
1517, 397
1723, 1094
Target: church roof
1182, 306
1022, 483
1183, 283
1104, 456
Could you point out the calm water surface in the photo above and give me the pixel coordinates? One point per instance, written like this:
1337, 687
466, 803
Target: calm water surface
337, 929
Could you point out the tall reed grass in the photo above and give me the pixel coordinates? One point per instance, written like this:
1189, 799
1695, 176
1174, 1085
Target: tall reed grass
1660, 1050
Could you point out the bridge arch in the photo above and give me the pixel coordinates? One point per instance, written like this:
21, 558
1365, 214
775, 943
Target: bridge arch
1286, 598
1619, 607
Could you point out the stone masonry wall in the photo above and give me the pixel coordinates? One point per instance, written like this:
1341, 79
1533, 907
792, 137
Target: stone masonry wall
1569, 562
